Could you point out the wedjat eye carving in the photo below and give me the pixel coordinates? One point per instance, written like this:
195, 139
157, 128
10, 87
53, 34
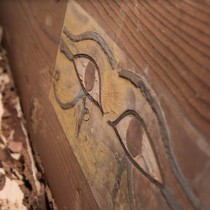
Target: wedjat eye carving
139, 161
135, 140
88, 74
89, 77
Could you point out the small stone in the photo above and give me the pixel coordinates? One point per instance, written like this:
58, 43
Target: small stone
16, 156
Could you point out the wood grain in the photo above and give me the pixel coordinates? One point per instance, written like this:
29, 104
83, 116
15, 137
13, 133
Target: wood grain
171, 40
168, 42
32, 34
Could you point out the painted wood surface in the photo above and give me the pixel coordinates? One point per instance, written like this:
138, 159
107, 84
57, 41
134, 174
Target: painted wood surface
117, 123
169, 42
129, 122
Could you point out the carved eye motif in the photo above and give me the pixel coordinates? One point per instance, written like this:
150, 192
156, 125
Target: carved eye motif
89, 77
131, 131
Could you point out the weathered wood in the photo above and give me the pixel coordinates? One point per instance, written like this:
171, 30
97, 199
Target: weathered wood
121, 65
169, 43
171, 40
32, 34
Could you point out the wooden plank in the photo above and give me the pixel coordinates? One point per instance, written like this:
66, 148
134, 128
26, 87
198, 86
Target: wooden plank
129, 141
171, 40
168, 41
32, 34
144, 69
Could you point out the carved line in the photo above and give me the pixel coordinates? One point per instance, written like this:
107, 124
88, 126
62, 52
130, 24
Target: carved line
98, 104
170, 199
130, 185
67, 105
84, 111
151, 97
71, 104
112, 124
167, 194
91, 35
65, 50
121, 164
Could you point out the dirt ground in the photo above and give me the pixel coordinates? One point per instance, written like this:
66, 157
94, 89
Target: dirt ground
22, 182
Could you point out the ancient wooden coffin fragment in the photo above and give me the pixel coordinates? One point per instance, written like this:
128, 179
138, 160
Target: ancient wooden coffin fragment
123, 109
114, 122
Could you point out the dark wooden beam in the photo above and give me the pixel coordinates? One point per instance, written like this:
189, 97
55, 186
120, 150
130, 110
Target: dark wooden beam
32, 34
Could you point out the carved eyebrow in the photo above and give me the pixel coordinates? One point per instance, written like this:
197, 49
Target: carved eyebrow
65, 50
91, 35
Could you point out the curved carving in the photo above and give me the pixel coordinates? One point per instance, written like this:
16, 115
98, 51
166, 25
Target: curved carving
82, 64
145, 158
91, 35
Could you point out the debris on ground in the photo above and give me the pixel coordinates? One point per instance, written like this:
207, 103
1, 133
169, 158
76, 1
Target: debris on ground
22, 186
